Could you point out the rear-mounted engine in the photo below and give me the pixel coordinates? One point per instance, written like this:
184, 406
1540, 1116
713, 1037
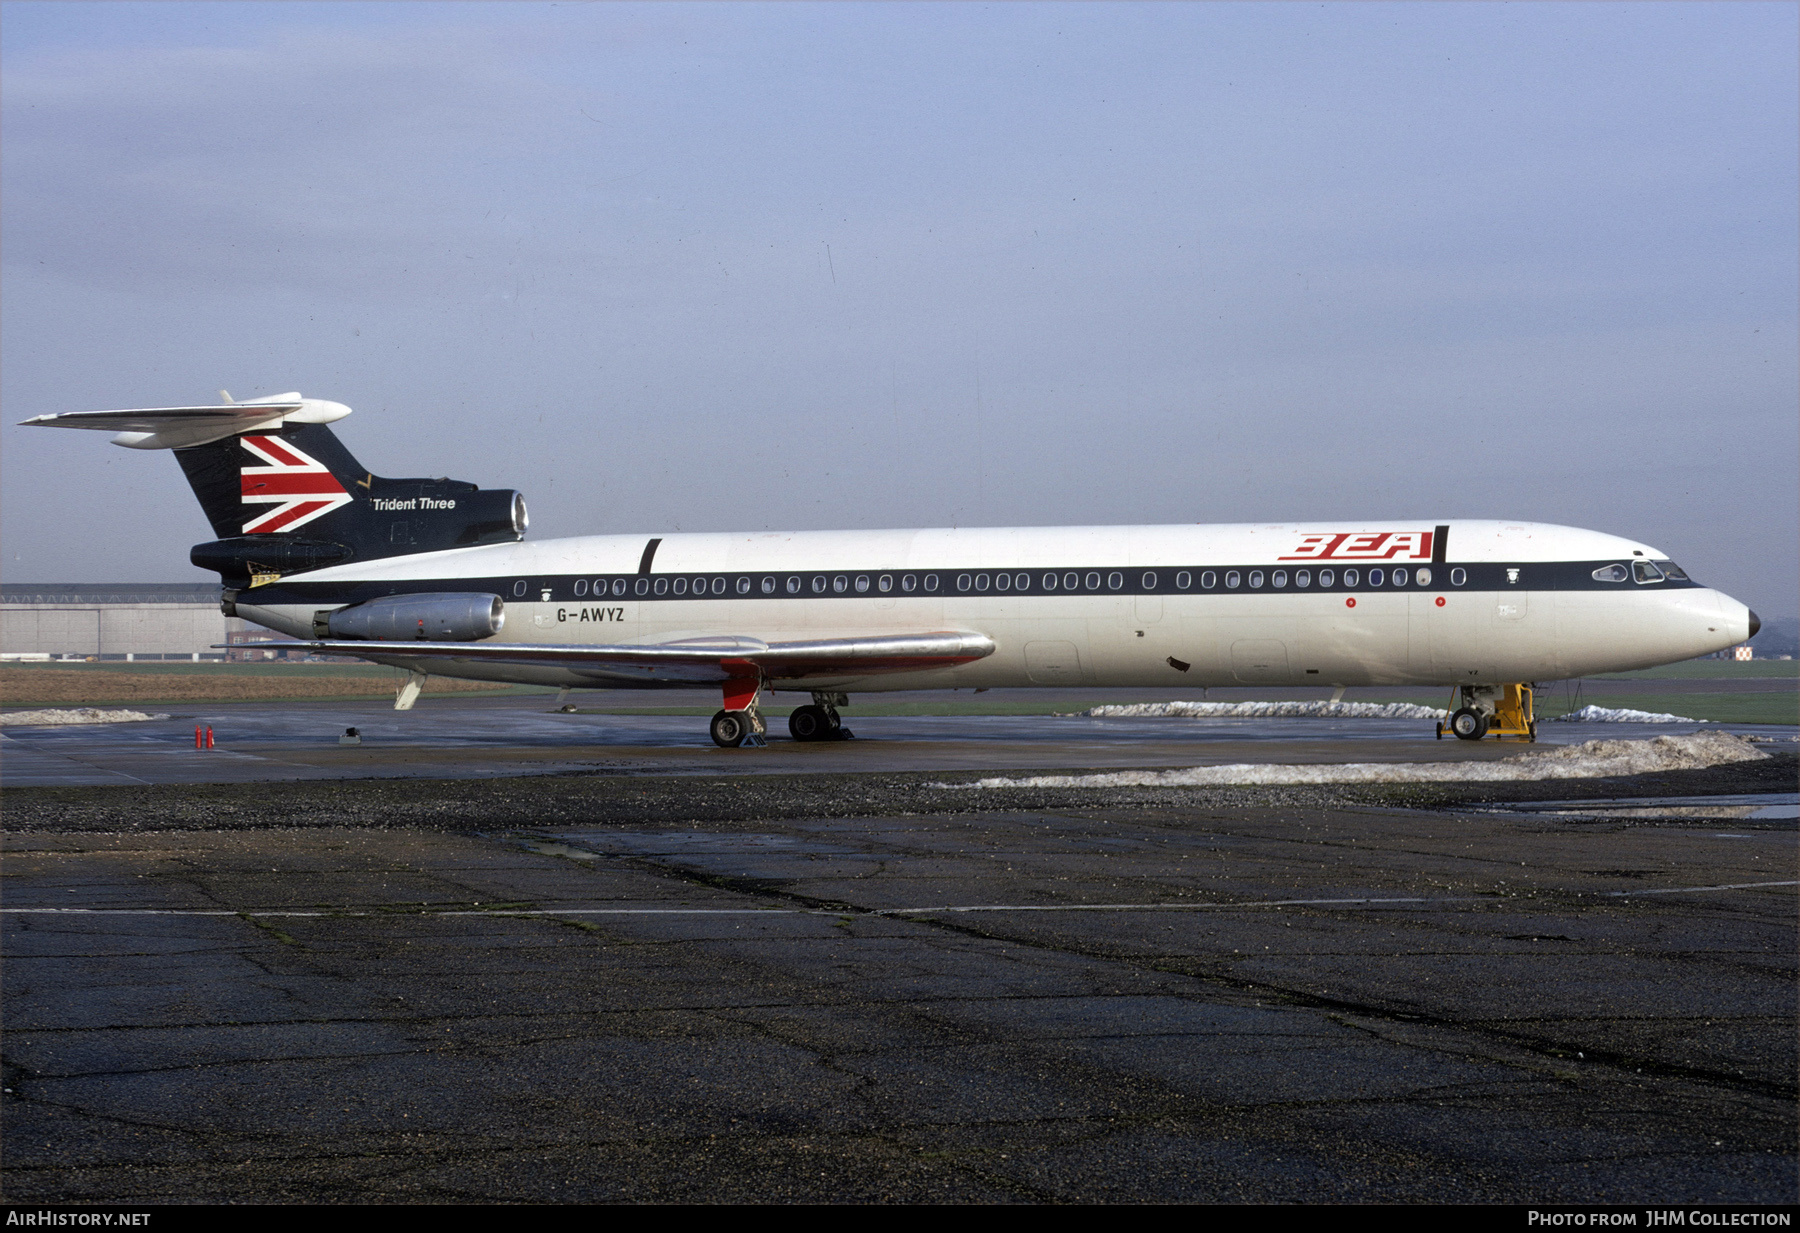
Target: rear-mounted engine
427, 618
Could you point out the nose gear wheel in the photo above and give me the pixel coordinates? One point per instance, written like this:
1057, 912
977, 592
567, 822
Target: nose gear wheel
1468, 724
1490, 710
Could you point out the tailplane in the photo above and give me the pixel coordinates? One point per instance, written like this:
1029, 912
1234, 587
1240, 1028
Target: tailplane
284, 495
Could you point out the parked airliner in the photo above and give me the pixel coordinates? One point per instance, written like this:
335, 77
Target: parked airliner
428, 574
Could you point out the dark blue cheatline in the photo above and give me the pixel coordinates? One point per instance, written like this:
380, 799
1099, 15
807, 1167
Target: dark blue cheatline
1247, 582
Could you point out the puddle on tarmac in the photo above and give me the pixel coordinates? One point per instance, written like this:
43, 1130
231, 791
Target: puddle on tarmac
591, 845
1747, 807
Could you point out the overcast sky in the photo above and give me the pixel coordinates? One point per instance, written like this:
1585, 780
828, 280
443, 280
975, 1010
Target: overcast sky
712, 267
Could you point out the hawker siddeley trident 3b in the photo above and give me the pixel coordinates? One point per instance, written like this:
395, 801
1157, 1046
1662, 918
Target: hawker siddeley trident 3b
434, 576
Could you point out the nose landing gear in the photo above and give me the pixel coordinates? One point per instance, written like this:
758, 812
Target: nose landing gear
1489, 710
1468, 724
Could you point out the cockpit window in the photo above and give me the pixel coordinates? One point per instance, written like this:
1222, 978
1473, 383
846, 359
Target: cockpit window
1646, 571
1611, 573
1673, 572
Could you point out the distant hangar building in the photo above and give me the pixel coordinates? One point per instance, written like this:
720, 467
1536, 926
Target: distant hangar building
155, 620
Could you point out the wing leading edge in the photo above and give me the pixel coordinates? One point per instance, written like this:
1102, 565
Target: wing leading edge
691, 661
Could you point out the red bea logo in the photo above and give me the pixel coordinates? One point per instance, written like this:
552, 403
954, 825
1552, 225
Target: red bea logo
1364, 546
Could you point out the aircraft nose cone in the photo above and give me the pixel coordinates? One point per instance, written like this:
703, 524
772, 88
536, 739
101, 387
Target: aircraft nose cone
1755, 623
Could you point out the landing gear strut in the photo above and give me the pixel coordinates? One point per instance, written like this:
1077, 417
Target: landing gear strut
819, 721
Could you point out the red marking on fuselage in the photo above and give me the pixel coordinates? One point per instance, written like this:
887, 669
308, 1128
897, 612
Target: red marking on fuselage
1364, 546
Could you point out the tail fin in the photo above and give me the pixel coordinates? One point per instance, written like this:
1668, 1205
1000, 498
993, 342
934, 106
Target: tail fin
284, 495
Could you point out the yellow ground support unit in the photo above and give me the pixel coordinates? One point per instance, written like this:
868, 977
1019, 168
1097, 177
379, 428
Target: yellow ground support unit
1481, 710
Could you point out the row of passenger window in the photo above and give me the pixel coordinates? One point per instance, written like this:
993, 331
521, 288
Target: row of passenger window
1093, 580
1303, 578
818, 584
1209, 579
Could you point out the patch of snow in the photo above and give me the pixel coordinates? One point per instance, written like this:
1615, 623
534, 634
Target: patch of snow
1352, 710
1266, 710
1593, 760
1624, 715
80, 715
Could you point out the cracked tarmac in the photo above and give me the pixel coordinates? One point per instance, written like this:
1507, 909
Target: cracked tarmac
1159, 1001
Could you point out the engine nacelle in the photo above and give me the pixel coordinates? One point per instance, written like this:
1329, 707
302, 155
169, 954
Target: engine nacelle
424, 618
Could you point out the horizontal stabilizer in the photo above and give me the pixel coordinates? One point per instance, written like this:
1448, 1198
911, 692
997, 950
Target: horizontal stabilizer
697, 661
162, 428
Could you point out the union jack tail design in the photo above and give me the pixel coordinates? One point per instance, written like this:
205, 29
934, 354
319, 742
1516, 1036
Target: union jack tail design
289, 500
300, 487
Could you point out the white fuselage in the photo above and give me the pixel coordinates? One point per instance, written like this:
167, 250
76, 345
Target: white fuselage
1151, 606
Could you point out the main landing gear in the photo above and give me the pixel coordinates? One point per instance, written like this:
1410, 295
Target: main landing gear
820, 721
731, 729
740, 724
1490, 710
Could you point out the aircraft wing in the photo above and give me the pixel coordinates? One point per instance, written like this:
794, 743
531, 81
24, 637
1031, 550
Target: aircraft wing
691, 661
